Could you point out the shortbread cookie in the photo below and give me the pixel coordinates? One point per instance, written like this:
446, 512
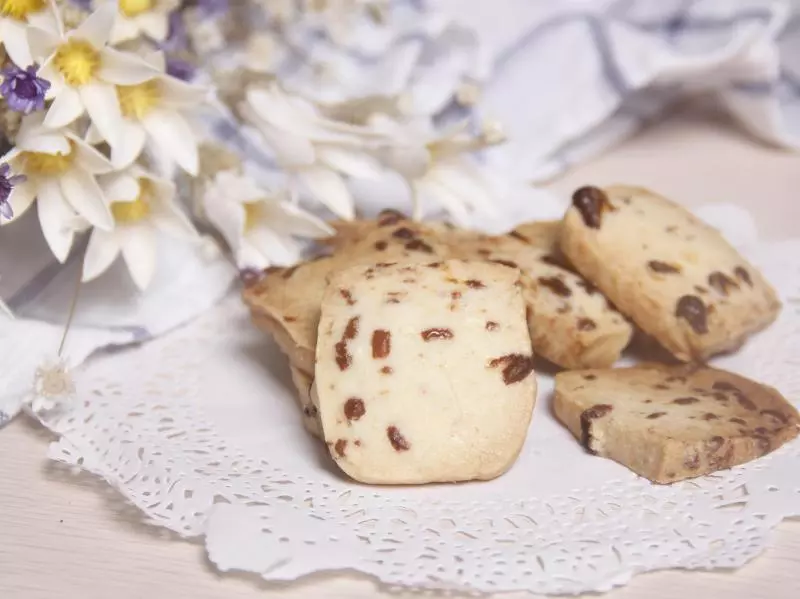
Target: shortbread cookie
303, 381
675, 276
285, 302
571, 323
424, 372
668, 423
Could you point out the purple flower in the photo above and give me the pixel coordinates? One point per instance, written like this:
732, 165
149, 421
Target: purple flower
22, 89
179, 68
6, 185
83, 4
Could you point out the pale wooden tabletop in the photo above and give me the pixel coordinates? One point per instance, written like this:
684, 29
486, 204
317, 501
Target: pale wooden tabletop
70, 537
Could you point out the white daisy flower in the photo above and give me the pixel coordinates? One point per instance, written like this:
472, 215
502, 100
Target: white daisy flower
259, 227
15, 18
60, 171
312, 149
153, 115
142, 17
438, 168
142, 205
83, 70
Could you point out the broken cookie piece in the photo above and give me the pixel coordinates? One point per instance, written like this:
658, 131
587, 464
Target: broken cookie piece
424, 372
669, 423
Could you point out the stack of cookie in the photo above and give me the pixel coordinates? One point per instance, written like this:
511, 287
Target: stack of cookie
411, 344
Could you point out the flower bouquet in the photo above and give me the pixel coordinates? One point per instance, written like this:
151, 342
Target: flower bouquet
125, 121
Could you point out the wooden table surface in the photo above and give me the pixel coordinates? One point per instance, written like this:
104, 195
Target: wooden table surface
67, 536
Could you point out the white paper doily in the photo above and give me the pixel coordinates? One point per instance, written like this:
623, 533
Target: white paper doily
199, 430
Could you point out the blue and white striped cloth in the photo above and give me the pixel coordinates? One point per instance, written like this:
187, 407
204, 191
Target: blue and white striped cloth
572, 77
567, 79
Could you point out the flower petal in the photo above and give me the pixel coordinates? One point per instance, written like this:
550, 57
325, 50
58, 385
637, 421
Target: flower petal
248, 256
329, 188
139, 252
42, 43
119, 187
172, 133
181, 94
291, 150
293, 220
101, 252
292, 114
54, 218
462, 180
155, 24
15, 41
278, 249
83, 193
21, 198
67, 107
129, 145
350, 162
92, 135
124, 29
274, 108
88, 158
450, 201
47, 142
102, 105
226, 215
172, 220
409, 160
96, 28
124, 68
44, 19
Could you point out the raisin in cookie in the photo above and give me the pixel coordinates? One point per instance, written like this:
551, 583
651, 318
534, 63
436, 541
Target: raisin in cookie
668, 423
675, 276
424, 372
571, 323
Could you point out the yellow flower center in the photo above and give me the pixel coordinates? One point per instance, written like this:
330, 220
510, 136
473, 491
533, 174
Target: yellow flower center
131, 8
20, 9
47, 165
252, 213
138, 209
77, 61
137, 100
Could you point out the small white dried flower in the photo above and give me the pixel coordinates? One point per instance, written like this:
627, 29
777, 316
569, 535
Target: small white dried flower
53, 388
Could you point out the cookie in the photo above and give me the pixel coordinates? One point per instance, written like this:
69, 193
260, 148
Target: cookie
424, 372
669, 423
303, 382
571, 323
675, 276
